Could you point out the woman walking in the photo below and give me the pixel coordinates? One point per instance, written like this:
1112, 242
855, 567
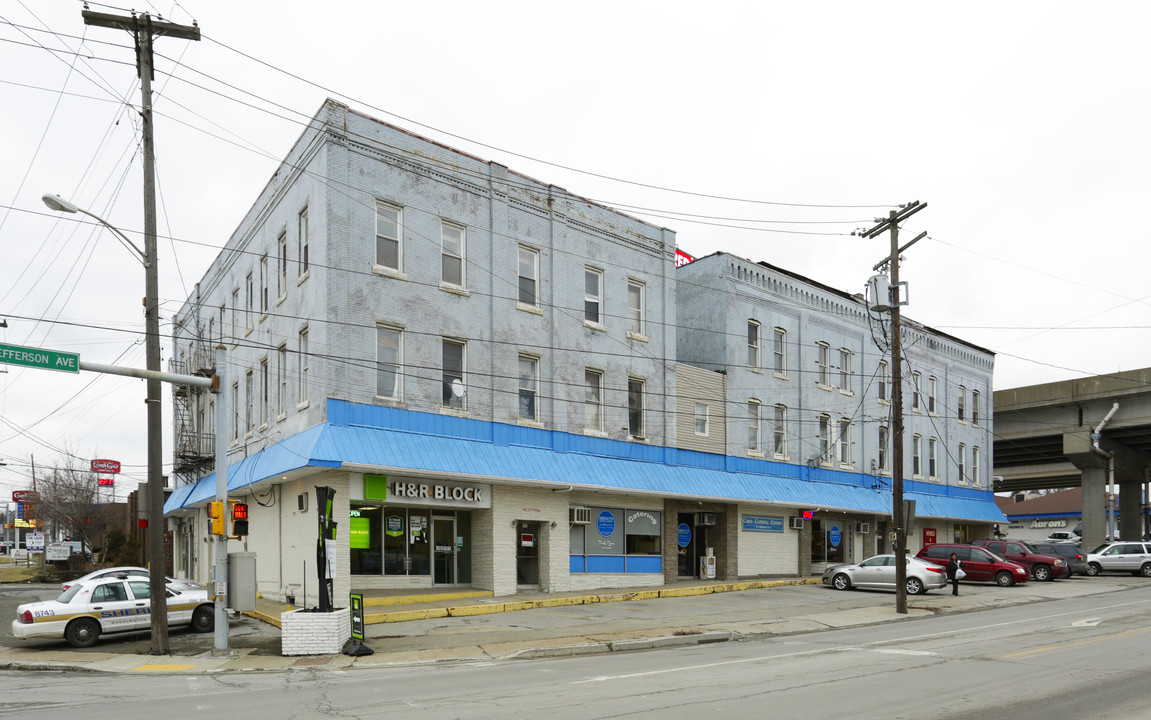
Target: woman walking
953, 570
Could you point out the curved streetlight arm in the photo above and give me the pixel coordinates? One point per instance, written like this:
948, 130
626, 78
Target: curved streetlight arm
59, 204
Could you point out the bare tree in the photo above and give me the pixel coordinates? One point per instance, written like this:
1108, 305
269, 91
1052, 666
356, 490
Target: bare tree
69, 502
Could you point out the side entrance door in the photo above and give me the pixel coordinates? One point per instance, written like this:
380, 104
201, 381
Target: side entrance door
443, 550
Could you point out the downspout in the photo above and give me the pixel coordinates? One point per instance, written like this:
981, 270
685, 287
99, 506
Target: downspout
1096, 436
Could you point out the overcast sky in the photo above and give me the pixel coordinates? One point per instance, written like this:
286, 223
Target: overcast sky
767, 129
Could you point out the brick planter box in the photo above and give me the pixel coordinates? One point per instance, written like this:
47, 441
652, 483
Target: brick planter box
314, 633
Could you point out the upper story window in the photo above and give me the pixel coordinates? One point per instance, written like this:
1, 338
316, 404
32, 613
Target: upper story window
248, 299
884, 441
454, 359
844, 442
961, 410
702, 419
282, 271
915, 405
264, 301
389, 362
305, 360
635, 407
753, 344
975, 466
529, 387
975, 407
825, 439
779, 352
824, 364
932, 388
753, 426
302, 242
845, 369
779, 432
593, 400
592, 294
916, 455
962, 463
635, 307
932, 458
881, 380
452, 244
529, 268
389, 225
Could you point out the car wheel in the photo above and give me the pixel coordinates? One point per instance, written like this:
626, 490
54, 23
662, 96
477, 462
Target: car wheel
1042, 573
1145, 571
82, 633
841, 582
1093, 569
204, 619
915, 586
1004, 579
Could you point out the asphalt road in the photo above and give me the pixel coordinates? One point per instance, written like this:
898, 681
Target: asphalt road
1081, 656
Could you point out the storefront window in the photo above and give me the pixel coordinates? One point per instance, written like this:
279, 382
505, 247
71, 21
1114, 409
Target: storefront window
365, 540
617, 541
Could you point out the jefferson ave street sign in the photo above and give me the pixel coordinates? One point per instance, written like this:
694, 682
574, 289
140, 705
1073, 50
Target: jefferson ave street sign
40, 358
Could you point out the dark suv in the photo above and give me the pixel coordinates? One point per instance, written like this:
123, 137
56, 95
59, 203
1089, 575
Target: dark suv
980, 564
1076, 560
1042, 567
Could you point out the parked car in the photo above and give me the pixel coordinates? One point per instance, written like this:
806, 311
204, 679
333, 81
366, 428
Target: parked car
980, 564
133, 572
1132, 557
1042, 566
1076, 560
108, 605
878, 573
1064, 536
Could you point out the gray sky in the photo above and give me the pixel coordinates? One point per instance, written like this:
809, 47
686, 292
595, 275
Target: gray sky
1023, 125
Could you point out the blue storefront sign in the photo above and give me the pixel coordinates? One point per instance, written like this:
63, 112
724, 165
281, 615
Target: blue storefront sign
684, 535
605, 523
834, 536
753, 523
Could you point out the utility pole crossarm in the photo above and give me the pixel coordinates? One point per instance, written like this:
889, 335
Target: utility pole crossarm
157, 27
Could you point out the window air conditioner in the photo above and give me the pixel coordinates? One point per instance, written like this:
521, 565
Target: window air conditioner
579, 515
863, 528
705, 518
796, 522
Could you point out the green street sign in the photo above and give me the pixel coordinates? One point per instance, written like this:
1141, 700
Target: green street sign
40, 358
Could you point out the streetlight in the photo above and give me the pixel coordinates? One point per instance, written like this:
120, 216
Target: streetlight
155, 511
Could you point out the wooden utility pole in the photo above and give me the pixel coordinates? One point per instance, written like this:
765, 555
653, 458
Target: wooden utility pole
143, 28
891, 223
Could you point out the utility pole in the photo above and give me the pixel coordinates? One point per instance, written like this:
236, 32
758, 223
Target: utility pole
143, 28
891, 223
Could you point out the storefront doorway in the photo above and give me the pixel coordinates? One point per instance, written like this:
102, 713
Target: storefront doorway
692, 543
444, 550
528, 553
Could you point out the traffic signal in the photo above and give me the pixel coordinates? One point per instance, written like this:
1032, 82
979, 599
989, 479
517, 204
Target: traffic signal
807, 514
239, 520
219, 522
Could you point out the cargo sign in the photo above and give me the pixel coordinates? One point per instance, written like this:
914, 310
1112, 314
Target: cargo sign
39, 358
106, 466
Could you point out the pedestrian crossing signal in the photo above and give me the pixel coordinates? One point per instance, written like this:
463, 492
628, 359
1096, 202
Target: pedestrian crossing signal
239, 520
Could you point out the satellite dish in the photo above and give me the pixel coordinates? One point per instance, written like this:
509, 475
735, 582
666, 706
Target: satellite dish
458, 389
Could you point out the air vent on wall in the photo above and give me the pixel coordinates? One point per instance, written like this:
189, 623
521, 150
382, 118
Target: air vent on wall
705, 518
796, 523
863, 528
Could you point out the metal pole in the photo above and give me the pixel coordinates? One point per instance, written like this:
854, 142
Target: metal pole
897, 427
220, 543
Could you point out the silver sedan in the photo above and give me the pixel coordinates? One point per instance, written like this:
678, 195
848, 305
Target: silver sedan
878, 573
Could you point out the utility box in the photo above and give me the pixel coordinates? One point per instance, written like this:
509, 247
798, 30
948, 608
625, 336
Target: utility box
242, 581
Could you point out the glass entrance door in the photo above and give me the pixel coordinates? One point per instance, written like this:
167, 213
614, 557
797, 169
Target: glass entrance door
528, 554
444, 550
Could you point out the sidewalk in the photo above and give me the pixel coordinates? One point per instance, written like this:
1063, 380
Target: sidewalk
473, 626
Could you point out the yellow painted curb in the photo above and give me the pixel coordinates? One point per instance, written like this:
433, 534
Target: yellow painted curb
430, 597
405, 615
264, 617
466, 610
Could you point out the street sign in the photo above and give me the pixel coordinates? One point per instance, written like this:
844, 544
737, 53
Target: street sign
40, 358
25, 496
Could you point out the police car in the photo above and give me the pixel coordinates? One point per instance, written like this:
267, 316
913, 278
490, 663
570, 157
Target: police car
90, 609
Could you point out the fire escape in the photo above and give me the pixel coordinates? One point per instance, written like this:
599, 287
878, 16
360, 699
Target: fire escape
195, 443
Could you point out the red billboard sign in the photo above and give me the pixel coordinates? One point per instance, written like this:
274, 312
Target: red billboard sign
22, 496
107, 466
682, 258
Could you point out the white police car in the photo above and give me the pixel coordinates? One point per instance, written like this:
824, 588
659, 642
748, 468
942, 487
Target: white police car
108, 605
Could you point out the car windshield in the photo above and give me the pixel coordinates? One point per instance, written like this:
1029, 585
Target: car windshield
70, 593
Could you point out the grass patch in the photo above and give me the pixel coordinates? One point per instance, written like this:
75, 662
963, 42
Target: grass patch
19, 574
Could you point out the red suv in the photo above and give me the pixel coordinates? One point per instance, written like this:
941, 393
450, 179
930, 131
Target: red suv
1042, 566
979, 563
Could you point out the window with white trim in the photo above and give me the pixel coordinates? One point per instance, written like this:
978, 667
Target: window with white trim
302, 242
236, 411
635, 307
281, 379
916, 455
824, 364
452, 249
844, 442
962, 463
249, 296
593, 400
975, 407
932, 458
529, 386
282, 271
753, 411
915, 391
264, 279
961, 410
389, 226
882, 378
454, 378
529, 270
265, 391
702, 419
825, 439
305, 360
932, 387
779, 432
975, 479
249, 398
884, 442
635, 408
592, 294
845, 369
389, 362
779, 352
753, 344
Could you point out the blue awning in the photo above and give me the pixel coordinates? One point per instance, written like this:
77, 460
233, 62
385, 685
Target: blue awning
406, 442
